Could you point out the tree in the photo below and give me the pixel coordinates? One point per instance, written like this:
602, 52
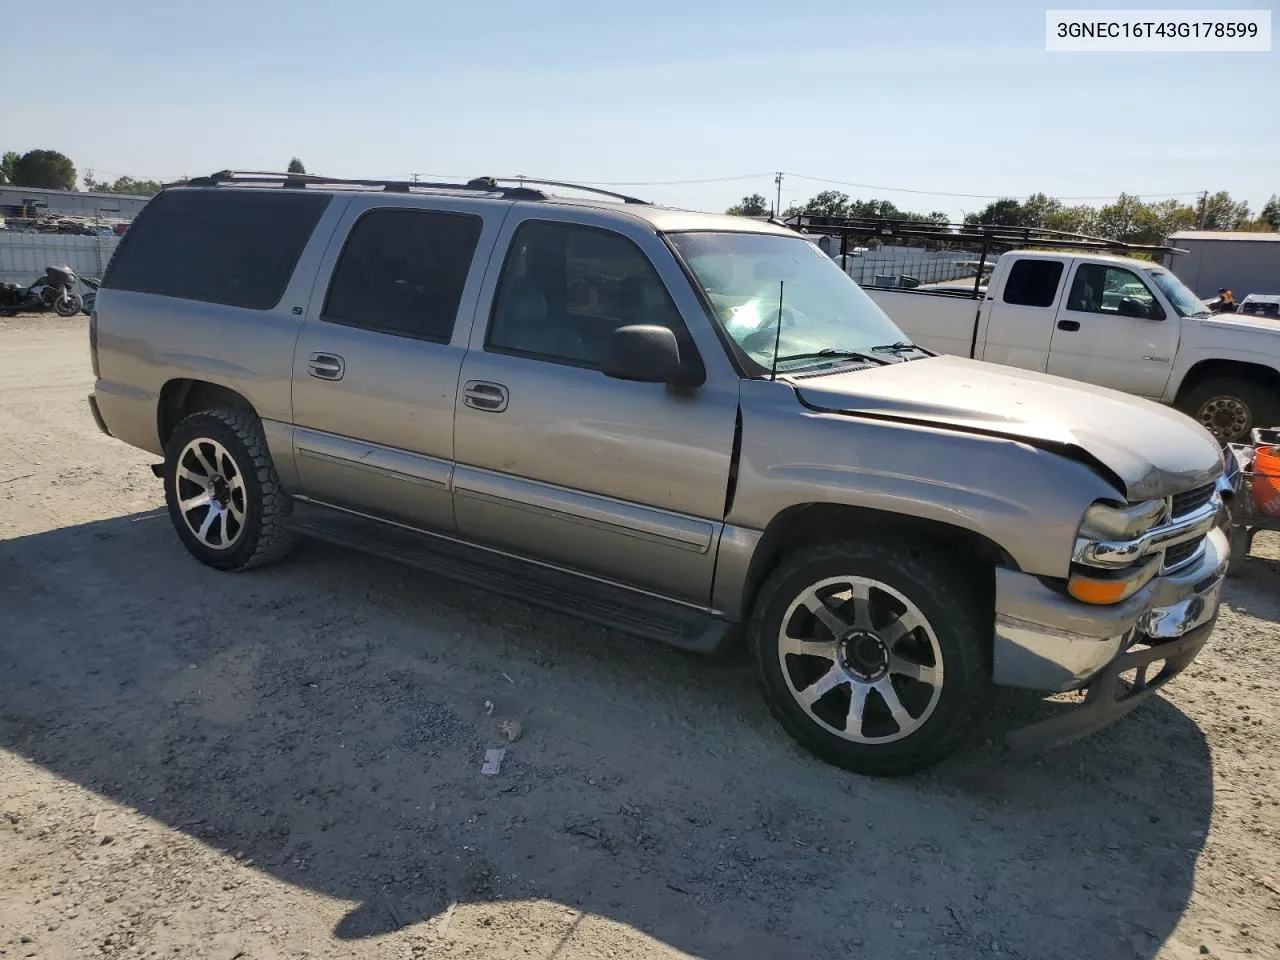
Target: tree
1220, 212
828, 203
752, 206
1006, 212
1270, 213
125, 185
7, 165
295, 166
44, 169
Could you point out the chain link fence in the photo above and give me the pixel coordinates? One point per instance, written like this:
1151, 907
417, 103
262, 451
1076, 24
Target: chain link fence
24, 256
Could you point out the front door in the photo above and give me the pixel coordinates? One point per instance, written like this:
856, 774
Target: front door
555, 460
1112, 331
376, 365
1019, 325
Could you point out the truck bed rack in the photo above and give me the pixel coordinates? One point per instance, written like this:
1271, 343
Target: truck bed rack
490, 185
986, 234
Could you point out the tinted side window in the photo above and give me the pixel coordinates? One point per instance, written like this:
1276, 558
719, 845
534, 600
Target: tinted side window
234, 247
402, 272
1033, 283
564, 290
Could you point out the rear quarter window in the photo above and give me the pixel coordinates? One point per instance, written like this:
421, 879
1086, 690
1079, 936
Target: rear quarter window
232, 247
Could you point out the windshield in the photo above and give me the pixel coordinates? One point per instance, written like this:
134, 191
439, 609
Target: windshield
1184, 301
747, 276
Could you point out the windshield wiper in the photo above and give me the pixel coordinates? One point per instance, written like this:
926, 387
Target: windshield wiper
827, 352
902, 346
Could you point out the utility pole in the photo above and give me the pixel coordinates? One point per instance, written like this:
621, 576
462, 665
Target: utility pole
777, 209
413, 177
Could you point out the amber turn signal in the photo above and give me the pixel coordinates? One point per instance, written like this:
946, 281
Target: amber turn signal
1093, 590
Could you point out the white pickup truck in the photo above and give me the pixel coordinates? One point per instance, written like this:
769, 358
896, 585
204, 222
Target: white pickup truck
1117, 322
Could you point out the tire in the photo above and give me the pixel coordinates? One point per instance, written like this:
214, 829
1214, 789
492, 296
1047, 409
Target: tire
230, 446
87, 302
948, 641
68, 306
1230, 408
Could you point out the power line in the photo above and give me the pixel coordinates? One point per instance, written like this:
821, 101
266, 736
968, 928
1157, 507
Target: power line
972, 196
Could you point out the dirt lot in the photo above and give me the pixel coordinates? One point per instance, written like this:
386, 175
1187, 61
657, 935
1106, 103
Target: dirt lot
287, 764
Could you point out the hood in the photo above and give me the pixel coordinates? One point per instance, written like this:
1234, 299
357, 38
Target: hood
1147, 449
1241, 321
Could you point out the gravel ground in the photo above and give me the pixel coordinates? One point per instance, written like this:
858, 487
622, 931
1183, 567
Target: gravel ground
287, 764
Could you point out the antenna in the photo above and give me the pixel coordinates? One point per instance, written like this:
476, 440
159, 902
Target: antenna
777, 335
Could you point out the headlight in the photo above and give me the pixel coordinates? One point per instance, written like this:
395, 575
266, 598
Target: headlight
1106, 522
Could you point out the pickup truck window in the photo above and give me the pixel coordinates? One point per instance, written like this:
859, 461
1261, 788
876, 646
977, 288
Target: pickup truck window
565, 288
402, 272
1098, 288
1184, 301
235, 248
821, 308
1033, 283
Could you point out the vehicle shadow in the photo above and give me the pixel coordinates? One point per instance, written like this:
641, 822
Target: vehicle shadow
326, 719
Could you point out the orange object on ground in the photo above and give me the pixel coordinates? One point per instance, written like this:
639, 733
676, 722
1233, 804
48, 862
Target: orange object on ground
1266, 479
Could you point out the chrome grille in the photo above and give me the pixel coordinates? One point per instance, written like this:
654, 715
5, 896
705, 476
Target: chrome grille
1183, 503
1181, 553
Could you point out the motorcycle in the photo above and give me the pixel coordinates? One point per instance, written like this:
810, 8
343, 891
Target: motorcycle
90, 298
56, 290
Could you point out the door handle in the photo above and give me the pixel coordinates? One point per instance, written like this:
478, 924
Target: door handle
1069, 325
326, 366
486, 396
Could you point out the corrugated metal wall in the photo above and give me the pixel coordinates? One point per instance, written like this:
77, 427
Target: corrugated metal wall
1243, 267
24, 256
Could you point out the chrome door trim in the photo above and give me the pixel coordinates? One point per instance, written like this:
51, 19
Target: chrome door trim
373, 457
615, 516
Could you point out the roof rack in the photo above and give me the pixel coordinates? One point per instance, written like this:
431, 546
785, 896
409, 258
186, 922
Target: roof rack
968, 232
304, 180
575, 186
480, 184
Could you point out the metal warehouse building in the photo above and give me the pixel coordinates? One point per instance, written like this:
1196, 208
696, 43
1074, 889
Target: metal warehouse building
1242, 262
33, 202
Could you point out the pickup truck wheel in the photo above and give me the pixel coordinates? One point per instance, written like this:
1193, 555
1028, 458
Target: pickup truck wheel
224, 496
875, 657
1230, 409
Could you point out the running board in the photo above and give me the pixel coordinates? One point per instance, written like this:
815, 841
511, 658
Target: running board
603, 603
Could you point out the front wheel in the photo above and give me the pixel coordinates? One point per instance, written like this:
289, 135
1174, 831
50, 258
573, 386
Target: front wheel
224, 497
68, 306
876, 657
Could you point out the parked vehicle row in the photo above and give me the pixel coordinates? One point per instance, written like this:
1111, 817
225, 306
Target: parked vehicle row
690, 428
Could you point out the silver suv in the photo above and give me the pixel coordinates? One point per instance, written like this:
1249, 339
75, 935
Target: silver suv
686, 427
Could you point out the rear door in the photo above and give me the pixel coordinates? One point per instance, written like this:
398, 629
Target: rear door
1098, 339
1020, 313
376, 364
557, 461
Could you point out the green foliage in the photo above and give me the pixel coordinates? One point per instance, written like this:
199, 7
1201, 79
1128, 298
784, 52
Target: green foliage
44, 169
752, 206
1270, 214
295, 166
125, 185
8, 163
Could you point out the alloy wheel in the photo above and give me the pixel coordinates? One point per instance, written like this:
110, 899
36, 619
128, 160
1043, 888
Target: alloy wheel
210, 493
861, 659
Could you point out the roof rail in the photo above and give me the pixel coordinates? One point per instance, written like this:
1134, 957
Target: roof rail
575, 186
303, 180
968, 232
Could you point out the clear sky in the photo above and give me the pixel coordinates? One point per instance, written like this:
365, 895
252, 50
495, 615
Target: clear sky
955, 97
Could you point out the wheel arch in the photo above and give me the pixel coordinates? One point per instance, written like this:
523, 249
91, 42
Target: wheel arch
1217, 368
183, 396
808, 523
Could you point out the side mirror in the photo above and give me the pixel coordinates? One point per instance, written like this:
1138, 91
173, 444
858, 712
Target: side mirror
1133, 307
643, 352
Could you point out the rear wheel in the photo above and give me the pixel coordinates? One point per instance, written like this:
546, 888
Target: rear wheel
225, 499
1230, 408
875, 657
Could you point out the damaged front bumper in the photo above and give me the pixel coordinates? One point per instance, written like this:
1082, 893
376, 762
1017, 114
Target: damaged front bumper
1049, 642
